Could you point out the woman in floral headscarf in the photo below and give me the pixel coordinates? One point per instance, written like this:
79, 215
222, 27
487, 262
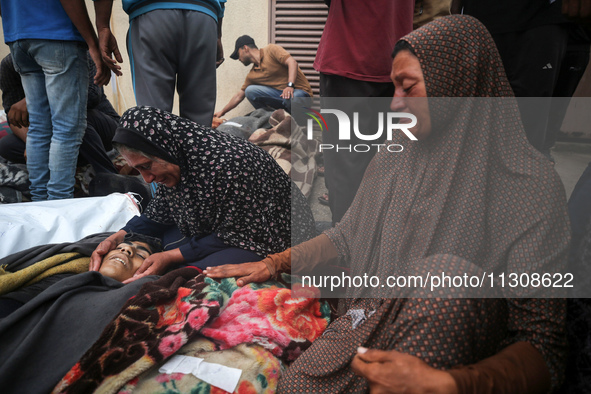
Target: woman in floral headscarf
228, 198
470, 196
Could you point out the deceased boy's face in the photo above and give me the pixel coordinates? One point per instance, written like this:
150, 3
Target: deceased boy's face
122, 262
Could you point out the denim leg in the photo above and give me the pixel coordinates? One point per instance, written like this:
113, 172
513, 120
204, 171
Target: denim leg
263, 96
40, 129
67, 92
55, 80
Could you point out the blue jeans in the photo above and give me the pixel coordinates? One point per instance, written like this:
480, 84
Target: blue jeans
263, 96
54, 75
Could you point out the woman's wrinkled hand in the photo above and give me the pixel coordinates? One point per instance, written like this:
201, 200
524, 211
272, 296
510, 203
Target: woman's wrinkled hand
155, 264
245, 273
395, 372
96, 258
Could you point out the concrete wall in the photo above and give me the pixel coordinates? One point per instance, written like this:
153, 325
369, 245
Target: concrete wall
242, 17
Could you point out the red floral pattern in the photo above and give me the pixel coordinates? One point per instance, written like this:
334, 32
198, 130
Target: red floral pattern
175, 309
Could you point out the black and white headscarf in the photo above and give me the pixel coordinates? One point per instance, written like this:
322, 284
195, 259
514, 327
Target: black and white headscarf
227, 186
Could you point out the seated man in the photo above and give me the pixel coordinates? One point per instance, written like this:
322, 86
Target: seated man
275, 77
102, 120
120, 264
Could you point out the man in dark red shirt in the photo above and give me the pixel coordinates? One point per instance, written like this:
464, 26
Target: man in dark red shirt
354, 60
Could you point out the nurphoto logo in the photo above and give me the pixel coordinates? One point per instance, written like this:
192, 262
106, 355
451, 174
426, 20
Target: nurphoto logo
388, 122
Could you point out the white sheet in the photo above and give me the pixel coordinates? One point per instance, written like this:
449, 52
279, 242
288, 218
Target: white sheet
30, 224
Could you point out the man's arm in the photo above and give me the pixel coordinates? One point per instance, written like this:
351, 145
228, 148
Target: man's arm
456, 6
292, 74
234, 101
78, 14
107, 43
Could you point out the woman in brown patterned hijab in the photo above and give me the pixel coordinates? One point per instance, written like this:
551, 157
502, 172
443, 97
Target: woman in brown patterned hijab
470, 196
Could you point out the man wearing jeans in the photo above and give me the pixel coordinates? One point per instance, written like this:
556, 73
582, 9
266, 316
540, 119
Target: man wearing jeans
101, 119
275, 77
49, 53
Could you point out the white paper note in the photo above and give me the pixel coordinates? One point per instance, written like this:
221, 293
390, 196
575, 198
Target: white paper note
217, 375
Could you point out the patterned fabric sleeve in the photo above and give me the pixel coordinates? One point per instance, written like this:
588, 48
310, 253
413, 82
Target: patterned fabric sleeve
338, 239
541, 321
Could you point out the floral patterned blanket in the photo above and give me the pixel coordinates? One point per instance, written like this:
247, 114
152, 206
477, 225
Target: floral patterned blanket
182, 306
260, 371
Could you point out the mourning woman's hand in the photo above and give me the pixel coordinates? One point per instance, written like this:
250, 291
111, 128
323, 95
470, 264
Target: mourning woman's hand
246, 272
394, 372
96, 258
157, 264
